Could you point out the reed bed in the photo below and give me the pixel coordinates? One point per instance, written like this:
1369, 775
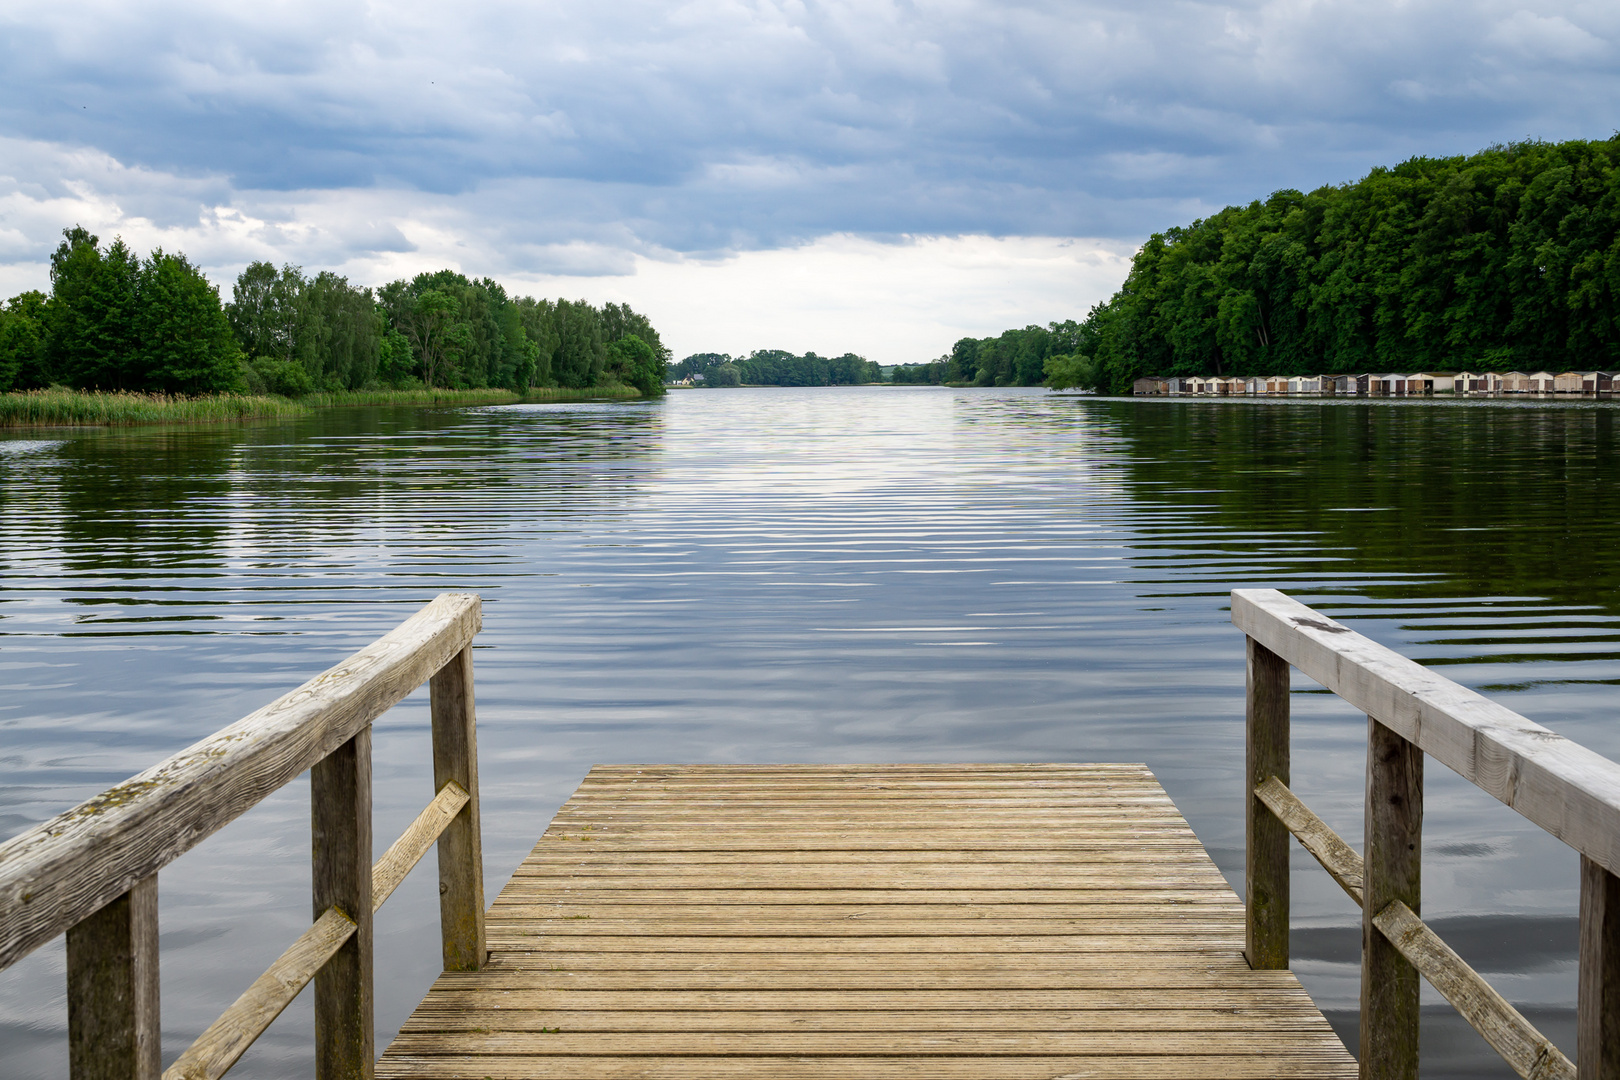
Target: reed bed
56, 407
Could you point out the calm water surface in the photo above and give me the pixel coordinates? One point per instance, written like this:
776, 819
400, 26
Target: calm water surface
821, 575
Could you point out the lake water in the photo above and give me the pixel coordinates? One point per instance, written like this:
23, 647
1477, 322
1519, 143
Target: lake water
860, 574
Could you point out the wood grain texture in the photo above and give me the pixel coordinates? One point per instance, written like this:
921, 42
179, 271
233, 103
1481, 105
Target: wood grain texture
1391, 872
461, 856
1568, 790
57, 874
1338, 858
1597, 1034
1508, 1032
1266, 895
413, 843
867, 922
340, 821
112, 981
218, 1048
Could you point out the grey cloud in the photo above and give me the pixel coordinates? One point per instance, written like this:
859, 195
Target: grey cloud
724, 124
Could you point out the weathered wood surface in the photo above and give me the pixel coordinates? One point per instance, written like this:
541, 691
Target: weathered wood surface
1338, 858
1391, 872
61, 872
413, 843
1508, 1032
1597, 1034
1266, 894
218, 1048
341, 878
112, 984
867, 922
1570, 791
461, 862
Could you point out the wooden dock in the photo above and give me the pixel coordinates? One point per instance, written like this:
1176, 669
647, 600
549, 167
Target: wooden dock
978, 922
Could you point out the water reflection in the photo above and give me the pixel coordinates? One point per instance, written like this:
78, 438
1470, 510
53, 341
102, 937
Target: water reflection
819, 575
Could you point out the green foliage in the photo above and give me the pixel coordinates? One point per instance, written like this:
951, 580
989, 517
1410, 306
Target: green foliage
698, 364
116, 322
1013, 358
1071, 371
633, 362
185, 344
726, 374
777, 367
930, 374
22, 341
59, 406
1509, 258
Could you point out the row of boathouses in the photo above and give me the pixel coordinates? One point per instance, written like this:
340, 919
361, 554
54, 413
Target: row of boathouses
1385, 384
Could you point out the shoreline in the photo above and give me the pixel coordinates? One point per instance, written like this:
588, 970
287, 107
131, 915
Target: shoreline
91, 408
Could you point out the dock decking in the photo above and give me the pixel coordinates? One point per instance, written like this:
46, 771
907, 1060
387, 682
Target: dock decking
978, 922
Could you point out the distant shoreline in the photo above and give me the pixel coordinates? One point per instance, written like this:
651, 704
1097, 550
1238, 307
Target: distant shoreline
90, 408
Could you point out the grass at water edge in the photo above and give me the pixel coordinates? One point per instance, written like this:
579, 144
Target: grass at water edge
62, 408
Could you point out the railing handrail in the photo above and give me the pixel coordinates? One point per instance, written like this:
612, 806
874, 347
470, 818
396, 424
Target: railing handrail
1563, 787
59, 873
1570, 791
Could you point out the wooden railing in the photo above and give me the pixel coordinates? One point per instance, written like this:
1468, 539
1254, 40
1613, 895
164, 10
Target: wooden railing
92, 872
1568, 790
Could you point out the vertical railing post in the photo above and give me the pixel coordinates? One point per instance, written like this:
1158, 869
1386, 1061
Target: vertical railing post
112, 979
340, 790
1597, 1030
1266, 859
461, 852
1392, 871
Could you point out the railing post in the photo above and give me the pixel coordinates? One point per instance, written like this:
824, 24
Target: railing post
340, 790
1597, 1032
1266, 861
112, 979
461, 858
1392, 871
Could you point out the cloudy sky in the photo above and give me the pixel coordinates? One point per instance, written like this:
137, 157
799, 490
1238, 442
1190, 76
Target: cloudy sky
871, 176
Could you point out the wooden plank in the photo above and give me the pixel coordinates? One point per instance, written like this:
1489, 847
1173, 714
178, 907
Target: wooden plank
1568, 790
227, 1038
59, 873
1264, 1064
114, 1028
461, 857
1258, 1019
413, 843
563, 1044
1338, 858
340, 817
1391, 873
1503, 1026
773, 922
1266, 896
218, 1048
1597, 1035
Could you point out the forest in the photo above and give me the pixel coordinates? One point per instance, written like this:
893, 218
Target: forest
1504, 259
776, 367
114, 321
1013, 358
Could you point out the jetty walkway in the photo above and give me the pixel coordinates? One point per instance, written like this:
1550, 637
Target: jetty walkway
830, 922
964, 921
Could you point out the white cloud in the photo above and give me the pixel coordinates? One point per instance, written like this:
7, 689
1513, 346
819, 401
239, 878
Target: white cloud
580, 139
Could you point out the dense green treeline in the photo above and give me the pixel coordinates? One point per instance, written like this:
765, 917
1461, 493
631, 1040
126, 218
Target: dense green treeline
1013, 358
1509, 258
776, 367
115, 322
